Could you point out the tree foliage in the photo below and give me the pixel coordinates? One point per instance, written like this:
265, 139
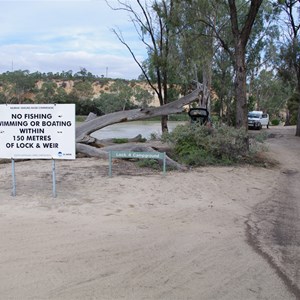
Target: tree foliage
155, 23
233, 47
293, 106
289, 65
16, 85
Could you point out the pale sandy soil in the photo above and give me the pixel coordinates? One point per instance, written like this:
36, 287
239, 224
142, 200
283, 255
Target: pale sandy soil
201, 234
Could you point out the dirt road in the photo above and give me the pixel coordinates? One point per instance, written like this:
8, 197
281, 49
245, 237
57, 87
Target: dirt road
274, 226
212, 233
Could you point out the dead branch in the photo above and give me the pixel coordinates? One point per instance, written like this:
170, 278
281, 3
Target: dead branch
95, 124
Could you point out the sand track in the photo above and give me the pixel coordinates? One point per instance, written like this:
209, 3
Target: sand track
142, 235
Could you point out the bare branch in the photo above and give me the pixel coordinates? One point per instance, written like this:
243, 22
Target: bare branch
174, 107
121, 39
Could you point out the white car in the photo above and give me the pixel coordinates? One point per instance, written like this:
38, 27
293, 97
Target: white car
257, 119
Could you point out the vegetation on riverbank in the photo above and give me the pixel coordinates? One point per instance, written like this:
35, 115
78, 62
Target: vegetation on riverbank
223, 145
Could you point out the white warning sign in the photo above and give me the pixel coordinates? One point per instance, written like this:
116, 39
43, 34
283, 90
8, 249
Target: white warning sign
37, 131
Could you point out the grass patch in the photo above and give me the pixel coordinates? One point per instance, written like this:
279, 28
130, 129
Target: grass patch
260, 137
120, 140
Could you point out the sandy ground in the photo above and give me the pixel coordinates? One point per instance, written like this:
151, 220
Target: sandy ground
210, 233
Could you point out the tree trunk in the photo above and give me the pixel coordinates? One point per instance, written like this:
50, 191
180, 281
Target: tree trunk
206, 85
240, 89
298, 122
298, 116
287, 118
164, 123
297, 67
241, 35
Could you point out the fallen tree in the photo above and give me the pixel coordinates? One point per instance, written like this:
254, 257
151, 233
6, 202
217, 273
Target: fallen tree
90, 146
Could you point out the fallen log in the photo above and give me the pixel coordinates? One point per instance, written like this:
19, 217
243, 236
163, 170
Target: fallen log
134, 147
91, 151
92, 141
94, 124
90, 146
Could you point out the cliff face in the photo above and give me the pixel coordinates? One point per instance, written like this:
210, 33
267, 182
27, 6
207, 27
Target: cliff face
99, 87
87, 89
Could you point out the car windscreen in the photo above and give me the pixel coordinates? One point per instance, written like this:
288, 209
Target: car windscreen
253, 115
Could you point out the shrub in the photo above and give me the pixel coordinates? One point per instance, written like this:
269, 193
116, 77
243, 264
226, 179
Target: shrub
197, 145
261, 136
149, 163
275, 122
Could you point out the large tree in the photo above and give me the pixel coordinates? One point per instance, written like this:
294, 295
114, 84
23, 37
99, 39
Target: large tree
232, 24
291, 48
195, 45
154, 22
241, 29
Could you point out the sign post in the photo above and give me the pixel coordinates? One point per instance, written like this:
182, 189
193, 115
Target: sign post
53, 179
37, 131
13, 175
140, 155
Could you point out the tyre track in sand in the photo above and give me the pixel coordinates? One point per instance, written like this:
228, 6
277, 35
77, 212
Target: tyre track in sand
273, 228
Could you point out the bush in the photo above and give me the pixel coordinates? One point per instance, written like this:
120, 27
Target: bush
260, 137
197, 145
275, 122
149, 163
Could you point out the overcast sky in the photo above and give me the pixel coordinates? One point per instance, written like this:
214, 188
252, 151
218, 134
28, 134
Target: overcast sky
63, 35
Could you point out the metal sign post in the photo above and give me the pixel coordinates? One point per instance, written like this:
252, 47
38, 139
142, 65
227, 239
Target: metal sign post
37, 131
110, 164
53, 179
13, 175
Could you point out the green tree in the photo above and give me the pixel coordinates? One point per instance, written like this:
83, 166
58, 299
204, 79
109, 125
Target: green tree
142, 97
123, 92
109, 103
195, 42
290, 50
242, 18
223, 86
46, 93
82, 90
18, 84
220, 35
61, 96
270, 92
155, 24
66, 75
118, 98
